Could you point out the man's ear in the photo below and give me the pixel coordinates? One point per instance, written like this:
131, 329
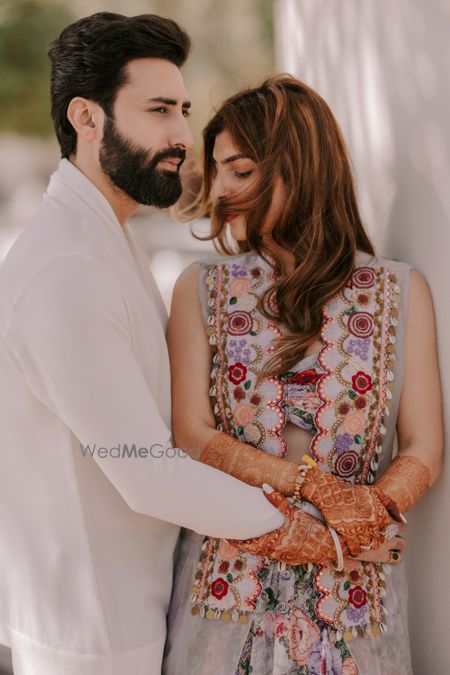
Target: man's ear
86, 117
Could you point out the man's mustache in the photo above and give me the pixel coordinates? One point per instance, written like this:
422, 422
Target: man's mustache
170, 152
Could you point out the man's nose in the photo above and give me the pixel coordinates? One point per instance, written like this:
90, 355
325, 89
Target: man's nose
182, 135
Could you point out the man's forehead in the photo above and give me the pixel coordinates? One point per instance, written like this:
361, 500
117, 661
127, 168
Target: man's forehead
156, 78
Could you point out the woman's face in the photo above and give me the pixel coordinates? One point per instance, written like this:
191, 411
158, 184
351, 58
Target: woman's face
235, 175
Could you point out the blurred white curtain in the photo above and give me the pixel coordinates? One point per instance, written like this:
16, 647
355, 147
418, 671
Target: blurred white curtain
384, 69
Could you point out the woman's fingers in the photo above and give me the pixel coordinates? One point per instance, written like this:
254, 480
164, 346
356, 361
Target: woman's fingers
391, 551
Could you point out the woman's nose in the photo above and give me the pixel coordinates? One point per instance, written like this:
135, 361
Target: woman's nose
218, 189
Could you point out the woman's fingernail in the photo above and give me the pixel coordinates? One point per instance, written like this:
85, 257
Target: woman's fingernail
267, 488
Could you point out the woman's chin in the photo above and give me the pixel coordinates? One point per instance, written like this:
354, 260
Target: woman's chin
237, 230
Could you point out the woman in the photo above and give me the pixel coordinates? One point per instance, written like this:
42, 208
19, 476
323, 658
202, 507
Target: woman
304, 343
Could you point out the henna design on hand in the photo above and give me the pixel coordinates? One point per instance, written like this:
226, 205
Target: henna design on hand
405, 480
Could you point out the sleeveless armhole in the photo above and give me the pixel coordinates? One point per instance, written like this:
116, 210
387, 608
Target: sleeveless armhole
202, 292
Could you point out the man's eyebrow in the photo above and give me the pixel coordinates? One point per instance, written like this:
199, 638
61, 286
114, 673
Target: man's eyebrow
167, 101
232, 158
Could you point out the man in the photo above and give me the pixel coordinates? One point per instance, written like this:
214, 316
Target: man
91, 492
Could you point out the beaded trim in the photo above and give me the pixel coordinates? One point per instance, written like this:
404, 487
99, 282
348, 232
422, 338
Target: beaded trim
244, 407
359, 336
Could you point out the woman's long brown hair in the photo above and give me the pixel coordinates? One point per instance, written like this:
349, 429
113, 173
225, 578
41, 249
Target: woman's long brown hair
289, 131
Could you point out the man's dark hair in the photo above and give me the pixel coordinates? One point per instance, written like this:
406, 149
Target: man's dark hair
90, 56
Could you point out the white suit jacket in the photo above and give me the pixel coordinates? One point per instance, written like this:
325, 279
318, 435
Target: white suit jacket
87, 537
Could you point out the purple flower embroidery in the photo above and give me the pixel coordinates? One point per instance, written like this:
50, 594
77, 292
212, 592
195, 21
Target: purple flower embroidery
343, 443
238, 351
357, 615
359, 347
238, 271
324, 652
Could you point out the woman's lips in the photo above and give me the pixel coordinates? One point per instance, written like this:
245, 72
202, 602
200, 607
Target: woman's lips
232, 217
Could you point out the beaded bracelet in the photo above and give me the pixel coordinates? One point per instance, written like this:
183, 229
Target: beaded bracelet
302, 471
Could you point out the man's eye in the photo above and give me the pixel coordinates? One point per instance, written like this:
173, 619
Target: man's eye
160, 110
243, 174
187, 113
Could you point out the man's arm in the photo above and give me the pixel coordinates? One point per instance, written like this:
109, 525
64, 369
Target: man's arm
70, 333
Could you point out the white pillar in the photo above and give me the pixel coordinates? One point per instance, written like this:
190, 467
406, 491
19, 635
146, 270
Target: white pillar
383, 68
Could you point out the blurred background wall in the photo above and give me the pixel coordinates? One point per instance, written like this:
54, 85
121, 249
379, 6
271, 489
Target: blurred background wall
384, 69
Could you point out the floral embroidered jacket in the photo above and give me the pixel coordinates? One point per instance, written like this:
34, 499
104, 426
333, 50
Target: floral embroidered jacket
357, 384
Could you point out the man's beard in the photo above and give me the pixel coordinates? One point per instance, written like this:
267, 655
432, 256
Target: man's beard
130, 169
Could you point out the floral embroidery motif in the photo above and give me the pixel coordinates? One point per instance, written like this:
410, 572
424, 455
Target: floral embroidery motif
360, 324
239, 323
219, 588
240, 287
364, 277
361, 382
243, 414
357, 596
346, 464
237, 373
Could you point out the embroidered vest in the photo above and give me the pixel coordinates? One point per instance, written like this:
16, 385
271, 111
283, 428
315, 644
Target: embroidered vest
359, 335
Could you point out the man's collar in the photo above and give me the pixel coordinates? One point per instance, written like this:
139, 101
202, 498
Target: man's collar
70, 179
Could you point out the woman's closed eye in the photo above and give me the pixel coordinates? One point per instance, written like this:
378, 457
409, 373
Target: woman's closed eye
243, 174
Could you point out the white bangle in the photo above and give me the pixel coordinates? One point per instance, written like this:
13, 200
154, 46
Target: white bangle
338, 547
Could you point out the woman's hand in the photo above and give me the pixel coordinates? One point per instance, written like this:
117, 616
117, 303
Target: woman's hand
360, 514
391, 551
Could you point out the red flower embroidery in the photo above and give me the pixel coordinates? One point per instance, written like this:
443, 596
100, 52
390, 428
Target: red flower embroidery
238, 565
360, 402
364, 277
361, 324
357, 596
255, 399
237, 373
223, 566
239, 393
344, 408
239, 323
361, 382
219, 588
255, 272
346, 463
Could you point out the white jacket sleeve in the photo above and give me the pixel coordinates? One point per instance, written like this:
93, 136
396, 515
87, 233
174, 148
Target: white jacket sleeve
71, 335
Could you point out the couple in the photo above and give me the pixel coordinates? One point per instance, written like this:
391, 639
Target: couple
317, 350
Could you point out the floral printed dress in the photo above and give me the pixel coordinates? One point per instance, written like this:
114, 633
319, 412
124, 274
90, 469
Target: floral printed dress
233, 613
282, 633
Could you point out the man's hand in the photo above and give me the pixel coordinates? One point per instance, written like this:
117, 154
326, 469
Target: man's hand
302, 539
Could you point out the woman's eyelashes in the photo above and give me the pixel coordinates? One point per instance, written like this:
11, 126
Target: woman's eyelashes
243, 174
